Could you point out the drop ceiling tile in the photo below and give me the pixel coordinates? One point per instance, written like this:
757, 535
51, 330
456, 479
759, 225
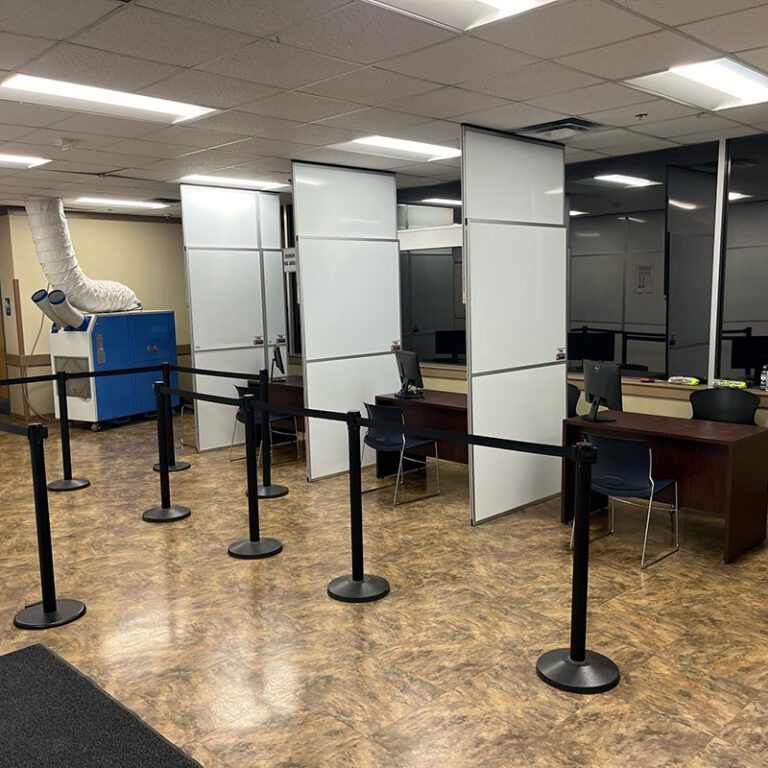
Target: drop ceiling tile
370, 86
606, 139
103, 69
244, 122
197, 138
722, 133
445, 102
16, 50
408, 181
530, 82
573, 155
12, 113
267, 164
734, 32
374, 120
260, 18
105, 126
684, 125
338, 156
364, 33
232, 154
267, 148
316, 134
148, 148
433, 132
58, 21
160, 37
643, 144
640, 56
752, 115
280, 65
208, 90
562, 28
654, 111
303, 107
756, 58
458, 60
431, 171
675, 12
10, 132
510, 117
173, 170
592, 99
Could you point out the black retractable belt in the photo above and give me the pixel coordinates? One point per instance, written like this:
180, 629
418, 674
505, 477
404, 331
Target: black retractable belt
67, 483
166, 512
52, 611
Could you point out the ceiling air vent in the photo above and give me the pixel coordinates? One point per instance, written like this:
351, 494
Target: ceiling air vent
559, 130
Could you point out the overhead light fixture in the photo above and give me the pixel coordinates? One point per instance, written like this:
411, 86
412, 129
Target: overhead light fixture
733, 196
577, 213
461, 15
112, 203
227, 181
683, 206
21, 161
103, 101
400, 149
717, 84
442, 201
626, 181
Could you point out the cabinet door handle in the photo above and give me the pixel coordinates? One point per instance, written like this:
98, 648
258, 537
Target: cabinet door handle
152, 348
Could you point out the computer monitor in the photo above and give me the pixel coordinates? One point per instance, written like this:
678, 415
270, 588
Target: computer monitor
583, 345
411, 383
453, 343
750, 353
602, 386
277, 362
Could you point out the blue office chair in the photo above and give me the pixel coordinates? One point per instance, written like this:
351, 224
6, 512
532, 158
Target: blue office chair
624, 470
273, 417
393, 440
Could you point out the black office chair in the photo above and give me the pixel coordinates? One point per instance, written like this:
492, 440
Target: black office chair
573, 399
240, 416
393, 440
734, 406
624, 470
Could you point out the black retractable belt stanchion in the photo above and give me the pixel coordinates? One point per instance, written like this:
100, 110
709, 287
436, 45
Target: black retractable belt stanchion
166, 512
576, 669
67, 483
254, 546
173, 465
358, 587
268, 490
52, 611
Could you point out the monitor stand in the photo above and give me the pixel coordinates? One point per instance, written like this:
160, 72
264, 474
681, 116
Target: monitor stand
592, 415
406, 393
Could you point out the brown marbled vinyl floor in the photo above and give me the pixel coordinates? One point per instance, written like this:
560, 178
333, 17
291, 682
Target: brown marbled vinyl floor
249, 663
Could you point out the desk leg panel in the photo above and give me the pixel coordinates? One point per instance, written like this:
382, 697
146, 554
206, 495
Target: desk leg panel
745, 523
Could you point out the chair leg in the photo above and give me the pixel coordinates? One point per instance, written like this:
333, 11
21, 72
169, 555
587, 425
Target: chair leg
298, 444
676, 539
232, 444
437, 468
611, 524
399, 479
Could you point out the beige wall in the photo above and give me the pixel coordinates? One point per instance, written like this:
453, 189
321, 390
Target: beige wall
145, 254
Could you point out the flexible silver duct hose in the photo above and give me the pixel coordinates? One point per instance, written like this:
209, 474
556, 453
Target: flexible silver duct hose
56, 255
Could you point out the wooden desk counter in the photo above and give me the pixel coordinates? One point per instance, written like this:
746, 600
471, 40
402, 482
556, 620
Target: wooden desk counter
289, 392
720, 468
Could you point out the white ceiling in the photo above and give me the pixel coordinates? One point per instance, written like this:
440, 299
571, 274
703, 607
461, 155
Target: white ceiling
294, 76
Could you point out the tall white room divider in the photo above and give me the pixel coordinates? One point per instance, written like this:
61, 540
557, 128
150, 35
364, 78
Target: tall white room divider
349, 278
236, 306
515, 283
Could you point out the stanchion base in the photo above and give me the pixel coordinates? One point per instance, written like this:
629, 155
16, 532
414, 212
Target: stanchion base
346, 589
272, 491
73, 484
166, 515
245, 549
596, 674
179, 466
34, 617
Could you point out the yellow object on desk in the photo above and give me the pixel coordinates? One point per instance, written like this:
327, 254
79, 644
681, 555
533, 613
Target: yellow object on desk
687, 381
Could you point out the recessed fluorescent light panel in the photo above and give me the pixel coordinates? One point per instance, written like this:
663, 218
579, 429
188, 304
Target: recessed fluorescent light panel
461, 15
399, 149
112, 203
21, 161
442, 201
734, 196
577, 213
102, 101
717, 84
626, 181
226, 181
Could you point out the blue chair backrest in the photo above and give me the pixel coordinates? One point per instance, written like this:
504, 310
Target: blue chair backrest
381, 437
621, 463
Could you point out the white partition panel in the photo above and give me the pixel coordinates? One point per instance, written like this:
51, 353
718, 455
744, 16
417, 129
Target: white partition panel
349, 279
223, 234
515, 268
343, 385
